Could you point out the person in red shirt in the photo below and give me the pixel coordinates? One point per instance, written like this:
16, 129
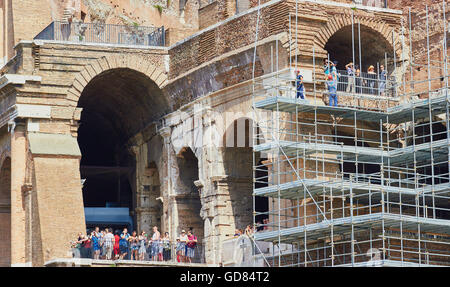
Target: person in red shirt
116, 245
191, 244
87, 246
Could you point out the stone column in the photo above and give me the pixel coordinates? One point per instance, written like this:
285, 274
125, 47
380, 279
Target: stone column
169, 221
18, 170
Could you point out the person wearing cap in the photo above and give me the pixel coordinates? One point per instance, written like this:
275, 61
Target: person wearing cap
183, 241
351, 77
300, 87
332, 90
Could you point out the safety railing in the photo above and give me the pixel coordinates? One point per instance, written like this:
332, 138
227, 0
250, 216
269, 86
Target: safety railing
101, 33
366, 84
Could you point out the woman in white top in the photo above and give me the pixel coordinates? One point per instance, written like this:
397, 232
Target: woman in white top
182, 245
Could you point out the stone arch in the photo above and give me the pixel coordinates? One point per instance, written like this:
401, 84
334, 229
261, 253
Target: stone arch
103, 64
118, 99
188, 196
338, 22
5, 211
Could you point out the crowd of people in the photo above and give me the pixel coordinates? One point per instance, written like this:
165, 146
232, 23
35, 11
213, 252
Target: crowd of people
371, 83
104, 244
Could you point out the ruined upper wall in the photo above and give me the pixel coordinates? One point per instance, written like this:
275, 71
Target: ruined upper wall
24, 19
419, 40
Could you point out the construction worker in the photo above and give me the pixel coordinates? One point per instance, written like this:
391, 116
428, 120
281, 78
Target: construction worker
300, 87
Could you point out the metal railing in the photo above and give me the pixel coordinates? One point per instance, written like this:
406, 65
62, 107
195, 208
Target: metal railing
101, 33
367, 84
171, 253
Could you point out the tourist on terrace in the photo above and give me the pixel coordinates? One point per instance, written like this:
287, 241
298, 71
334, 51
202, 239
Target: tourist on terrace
248, 230
190, 246
370, 83
108, 243
350, 77
134, 245
96, 242
76, 246
166, 247
155, 243
86, 246
123, 243
382, 84
116, 245
332, 90
182, 245
237, 233
179, 250
358, 81
300, 86
142, 245
326, 67
102, 244
265, 224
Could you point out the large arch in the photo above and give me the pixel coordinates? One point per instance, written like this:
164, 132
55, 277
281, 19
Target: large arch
5, 212
237, 141
379, 28
116, 104
98, 66
373, 47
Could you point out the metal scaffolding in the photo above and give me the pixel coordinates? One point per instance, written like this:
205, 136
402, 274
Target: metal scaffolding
365, 183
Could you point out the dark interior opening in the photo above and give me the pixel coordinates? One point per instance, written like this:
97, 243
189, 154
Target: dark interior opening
116, 104
261, 202
373, 48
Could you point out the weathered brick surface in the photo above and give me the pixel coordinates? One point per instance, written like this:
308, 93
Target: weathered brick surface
5, 212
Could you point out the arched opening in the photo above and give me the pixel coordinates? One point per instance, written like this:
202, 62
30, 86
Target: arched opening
188, 197
261, 202
373, 47
5, 213
116, 104
238, 166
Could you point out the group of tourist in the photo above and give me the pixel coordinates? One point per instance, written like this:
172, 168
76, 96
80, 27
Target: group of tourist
106, 245
247, 231
367, 84
371, 83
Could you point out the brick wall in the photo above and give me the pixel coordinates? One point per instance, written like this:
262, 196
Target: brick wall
207, 15
5, 213
58, 207
419, 40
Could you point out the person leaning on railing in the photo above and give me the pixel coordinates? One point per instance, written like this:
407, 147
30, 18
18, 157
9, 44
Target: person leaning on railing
166, 247
190, 246
382, 83
370, 83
